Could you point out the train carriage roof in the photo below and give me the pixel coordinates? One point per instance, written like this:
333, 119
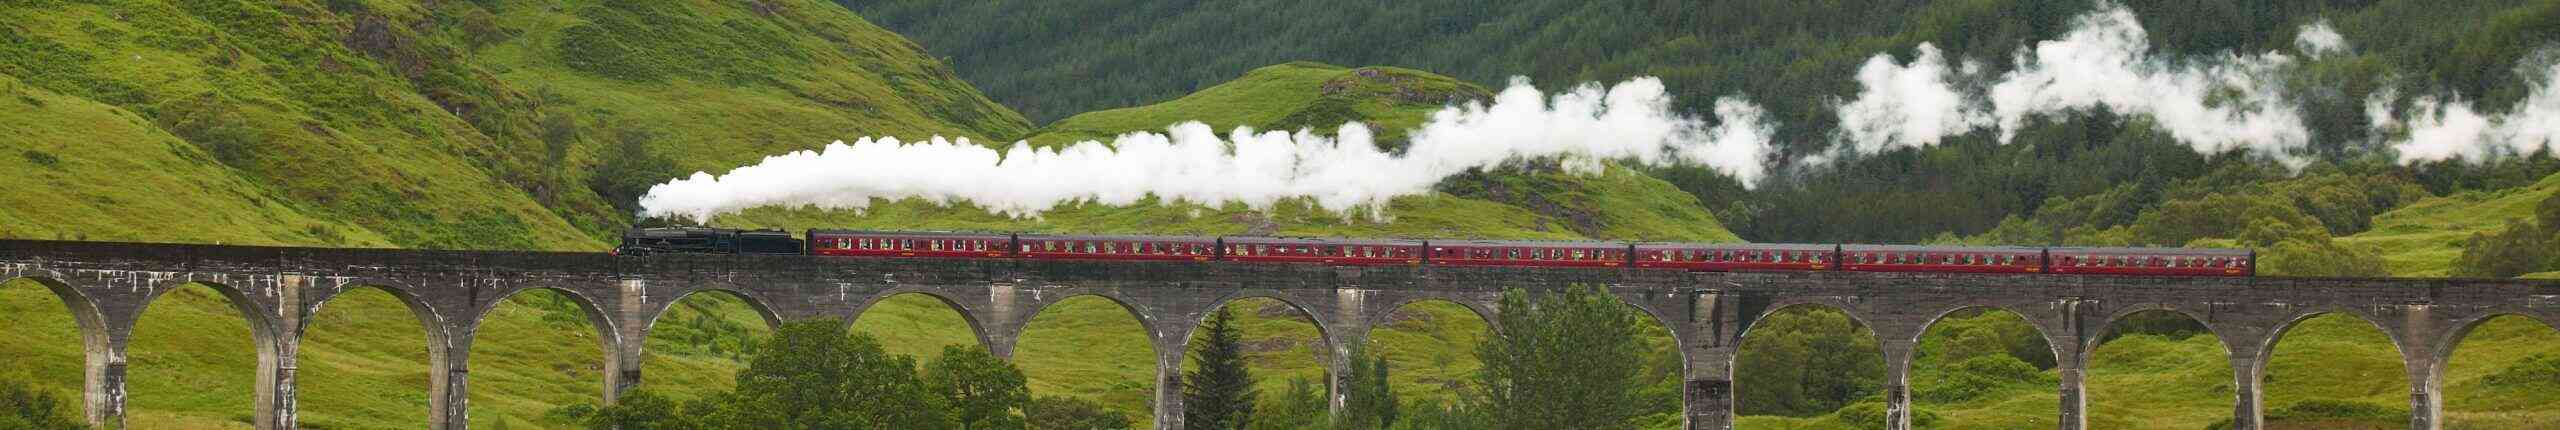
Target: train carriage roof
2172, 252
1119, 238
1532, 243
1740, 246
1267, 240
1944, 249
910, 234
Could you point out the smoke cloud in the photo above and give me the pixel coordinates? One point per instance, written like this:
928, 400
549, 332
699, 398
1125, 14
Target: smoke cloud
2230, 102
1909, 106
2318, 40
2212, 104
1191, 163
2452, 130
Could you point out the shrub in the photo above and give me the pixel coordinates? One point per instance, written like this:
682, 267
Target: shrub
42, 158
22, 407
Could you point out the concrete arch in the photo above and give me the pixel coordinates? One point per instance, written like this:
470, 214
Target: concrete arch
605, 329
658, 310
968, 315
2265, 347
2041, 331
428, 317
1324, 329
264, 334
85, 314
1484, 312
2091, 343
1744, 333
1146, 320
262, 325
99, 349
2443, 348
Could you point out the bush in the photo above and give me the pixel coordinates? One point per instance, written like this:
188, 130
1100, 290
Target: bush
22, 407
1069, 413
2522, 246
2338, 409
2538, 371
41, 158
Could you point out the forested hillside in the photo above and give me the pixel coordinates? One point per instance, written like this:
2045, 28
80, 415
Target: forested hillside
1801, 60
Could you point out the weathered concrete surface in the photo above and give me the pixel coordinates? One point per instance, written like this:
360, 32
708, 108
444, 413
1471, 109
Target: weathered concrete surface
107, 284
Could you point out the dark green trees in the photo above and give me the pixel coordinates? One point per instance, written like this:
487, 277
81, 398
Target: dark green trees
22, 407
1563, 360
1069, 413
813, 375
982, 391
1369, 402
1219, 393
2524, 246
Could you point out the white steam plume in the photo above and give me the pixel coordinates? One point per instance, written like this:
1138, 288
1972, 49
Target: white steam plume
2318, 39
2233, 102
1191, 163
1908, 106
2214, 104
2442, 130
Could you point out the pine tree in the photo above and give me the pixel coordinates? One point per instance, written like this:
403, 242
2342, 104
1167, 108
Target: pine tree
1566, 360
1218, 393
1370, 402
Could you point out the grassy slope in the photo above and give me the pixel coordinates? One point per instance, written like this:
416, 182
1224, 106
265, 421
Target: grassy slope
2423, 238
422, 124
82, 170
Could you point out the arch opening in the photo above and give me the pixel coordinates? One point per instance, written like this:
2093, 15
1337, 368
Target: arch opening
917, 324
365, 359
2501, 373
534, 351
697, 345
1284, 349
47, 341
2333, 370
2157, 369
1983, 367
1808, 365
193, 359
1429, 346
1094, 348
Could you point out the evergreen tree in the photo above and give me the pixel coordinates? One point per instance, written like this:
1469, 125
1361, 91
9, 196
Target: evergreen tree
815, 375
1370, 402
1218, 393
982, 390
1564, 360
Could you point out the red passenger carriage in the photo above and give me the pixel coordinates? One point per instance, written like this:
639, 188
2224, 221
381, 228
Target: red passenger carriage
2153, 261
908, 244
1143, 248
1955, 259
1734, 257
1527, 253
1350, 252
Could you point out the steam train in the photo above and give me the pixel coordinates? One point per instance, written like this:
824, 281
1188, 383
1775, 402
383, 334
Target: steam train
1362, 252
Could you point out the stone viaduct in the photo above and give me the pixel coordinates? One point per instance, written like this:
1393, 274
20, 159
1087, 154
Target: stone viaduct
107, 285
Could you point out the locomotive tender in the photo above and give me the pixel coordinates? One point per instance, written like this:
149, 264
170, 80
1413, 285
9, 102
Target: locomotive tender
1705, 257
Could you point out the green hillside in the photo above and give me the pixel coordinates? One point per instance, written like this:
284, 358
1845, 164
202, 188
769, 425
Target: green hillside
482, 124
2424, 238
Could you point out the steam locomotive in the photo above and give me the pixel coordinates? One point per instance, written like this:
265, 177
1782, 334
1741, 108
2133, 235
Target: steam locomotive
1360, 252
